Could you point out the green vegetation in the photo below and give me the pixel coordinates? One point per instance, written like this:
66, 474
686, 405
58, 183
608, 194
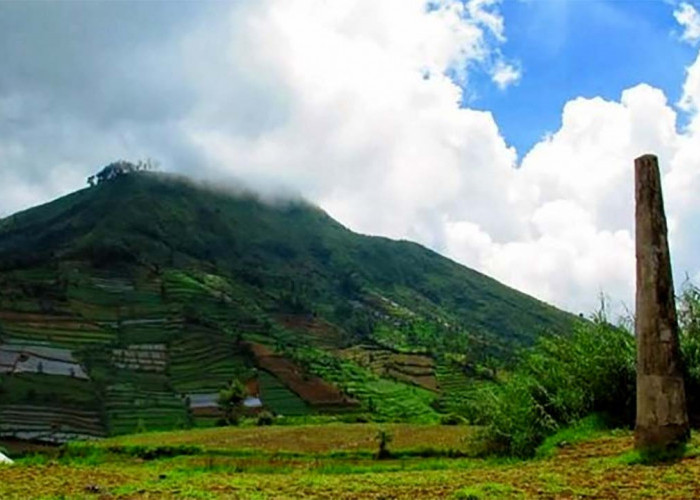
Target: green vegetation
575, 385
157, 288
289, 254
230, 400
132, 408
557, 382
385, 399
203, 361
339, 461
279, 399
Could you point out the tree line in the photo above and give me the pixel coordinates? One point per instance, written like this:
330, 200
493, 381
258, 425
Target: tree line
120, 168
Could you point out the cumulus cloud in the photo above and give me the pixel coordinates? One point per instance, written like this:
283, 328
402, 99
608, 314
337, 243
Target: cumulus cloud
505, 75
357, 106
689, 18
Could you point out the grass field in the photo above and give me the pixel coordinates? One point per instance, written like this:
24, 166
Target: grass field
336, 461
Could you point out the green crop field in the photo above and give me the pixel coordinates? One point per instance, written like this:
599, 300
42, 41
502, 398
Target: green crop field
203, 361
279, 398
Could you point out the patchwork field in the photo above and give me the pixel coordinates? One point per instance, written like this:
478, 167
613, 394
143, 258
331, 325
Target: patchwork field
204, 361
337, 461
316, 392
416, 369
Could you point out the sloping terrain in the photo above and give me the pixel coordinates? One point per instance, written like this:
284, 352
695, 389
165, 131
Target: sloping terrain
140, 298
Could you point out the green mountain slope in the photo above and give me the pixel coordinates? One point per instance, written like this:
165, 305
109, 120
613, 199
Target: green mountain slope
157, 291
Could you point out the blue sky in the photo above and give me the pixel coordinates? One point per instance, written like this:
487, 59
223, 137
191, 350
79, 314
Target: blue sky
579, 48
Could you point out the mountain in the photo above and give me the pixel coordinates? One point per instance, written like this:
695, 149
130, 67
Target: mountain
128, 305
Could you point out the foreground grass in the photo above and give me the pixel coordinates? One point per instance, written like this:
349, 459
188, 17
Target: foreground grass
225, 464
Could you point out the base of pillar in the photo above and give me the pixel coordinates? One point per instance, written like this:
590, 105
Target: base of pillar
658, 438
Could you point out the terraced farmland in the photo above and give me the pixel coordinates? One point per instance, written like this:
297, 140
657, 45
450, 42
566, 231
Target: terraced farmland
141, 357
316, 392
131, 408
203, 360
314, 331
145, 354
16, 358
386, 399
50, 330
32, 388
416, 369
279, 398
49, 422
454, 386
156, 285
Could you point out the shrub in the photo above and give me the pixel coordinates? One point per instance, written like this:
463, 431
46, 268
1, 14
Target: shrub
230, 399
383, 440
557, 382
265, 418
356, 418
155, 452
452, 419
563, 379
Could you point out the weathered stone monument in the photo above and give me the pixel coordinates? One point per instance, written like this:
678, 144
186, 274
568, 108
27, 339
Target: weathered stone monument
662, 415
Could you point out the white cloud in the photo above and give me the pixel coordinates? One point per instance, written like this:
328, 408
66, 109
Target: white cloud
689, 18
368, 129
504, 75
577, 197
690, 101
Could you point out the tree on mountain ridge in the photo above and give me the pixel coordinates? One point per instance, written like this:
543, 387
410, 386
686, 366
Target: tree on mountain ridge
122, 167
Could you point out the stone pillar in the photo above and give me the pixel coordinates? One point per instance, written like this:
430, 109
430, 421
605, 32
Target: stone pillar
662, 415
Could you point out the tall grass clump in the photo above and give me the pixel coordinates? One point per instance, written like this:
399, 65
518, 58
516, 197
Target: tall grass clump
558, 381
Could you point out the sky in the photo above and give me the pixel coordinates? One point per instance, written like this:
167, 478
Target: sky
501, 134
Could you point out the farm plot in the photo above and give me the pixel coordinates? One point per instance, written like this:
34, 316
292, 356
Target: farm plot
21, 358
222, 304
203, 360
417, 369
315, 331
50, 408
141, 357
38, 388
454, 386
131, 408
386, 399
307, 439
63, 331
279, 399
49, 423
312, 389
33, 291
152, 330
113, 301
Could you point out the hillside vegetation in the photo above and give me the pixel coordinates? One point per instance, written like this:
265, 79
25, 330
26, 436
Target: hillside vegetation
129, 305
